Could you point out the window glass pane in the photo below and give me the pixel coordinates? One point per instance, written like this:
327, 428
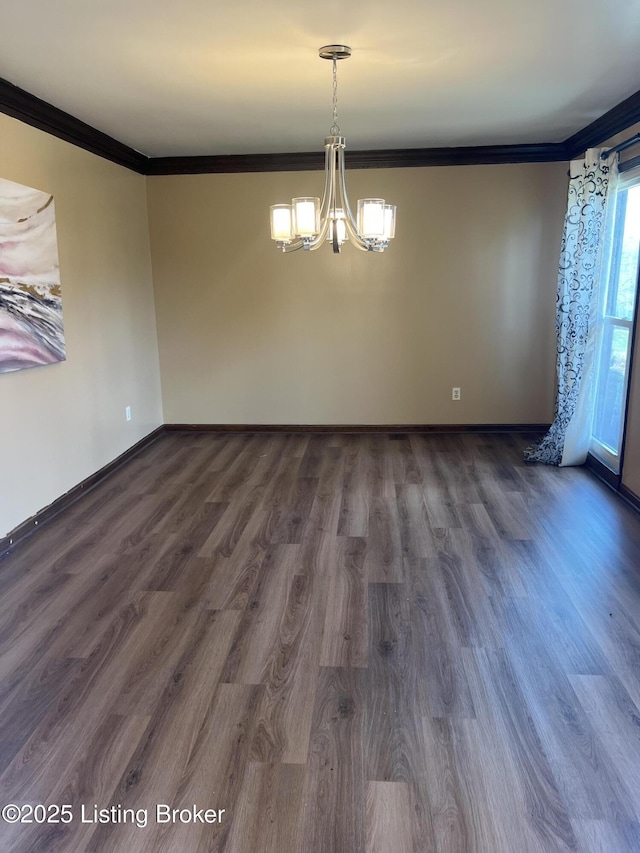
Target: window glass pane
624, 297
611, 387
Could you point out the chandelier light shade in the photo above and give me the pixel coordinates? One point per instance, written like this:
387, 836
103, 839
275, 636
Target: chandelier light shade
307, 222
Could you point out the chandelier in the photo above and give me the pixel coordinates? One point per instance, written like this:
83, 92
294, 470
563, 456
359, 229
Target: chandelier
307, 223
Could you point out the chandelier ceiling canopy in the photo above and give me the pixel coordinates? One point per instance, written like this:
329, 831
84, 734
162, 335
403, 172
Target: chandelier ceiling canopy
307, 222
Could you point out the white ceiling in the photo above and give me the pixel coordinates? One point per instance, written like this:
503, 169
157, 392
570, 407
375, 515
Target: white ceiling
184, 77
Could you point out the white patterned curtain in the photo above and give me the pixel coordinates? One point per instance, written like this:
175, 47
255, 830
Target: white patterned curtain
591, 185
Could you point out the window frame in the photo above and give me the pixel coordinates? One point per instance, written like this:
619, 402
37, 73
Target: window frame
608, 321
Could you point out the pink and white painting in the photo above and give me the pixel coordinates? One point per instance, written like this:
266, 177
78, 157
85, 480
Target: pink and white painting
31, 330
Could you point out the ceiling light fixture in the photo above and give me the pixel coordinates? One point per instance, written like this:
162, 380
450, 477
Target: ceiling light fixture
307, 222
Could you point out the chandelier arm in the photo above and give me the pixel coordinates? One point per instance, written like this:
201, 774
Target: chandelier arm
329, 182
316, 242
354, 238
293, 246
343, 200
335, 242
328, 200
342, 191
357, 241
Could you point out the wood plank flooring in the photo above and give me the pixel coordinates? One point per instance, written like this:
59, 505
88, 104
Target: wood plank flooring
349, 643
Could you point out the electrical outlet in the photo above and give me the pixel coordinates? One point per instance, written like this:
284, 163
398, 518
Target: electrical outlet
127, 413
455, 393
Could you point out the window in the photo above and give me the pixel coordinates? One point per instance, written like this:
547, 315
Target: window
617, 311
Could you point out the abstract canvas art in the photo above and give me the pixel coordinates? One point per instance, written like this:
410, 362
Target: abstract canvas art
31, 330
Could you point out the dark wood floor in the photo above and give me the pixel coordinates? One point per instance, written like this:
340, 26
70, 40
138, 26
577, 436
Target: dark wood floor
352, 644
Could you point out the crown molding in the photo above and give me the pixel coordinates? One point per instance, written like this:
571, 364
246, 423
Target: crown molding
302, 161
34, 111
392, 158
17, 103
614, 121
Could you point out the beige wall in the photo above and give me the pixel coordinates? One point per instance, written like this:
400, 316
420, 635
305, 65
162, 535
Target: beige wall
63, 422
464, 297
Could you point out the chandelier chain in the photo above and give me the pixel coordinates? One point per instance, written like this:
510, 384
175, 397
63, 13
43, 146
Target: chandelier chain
335, 128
